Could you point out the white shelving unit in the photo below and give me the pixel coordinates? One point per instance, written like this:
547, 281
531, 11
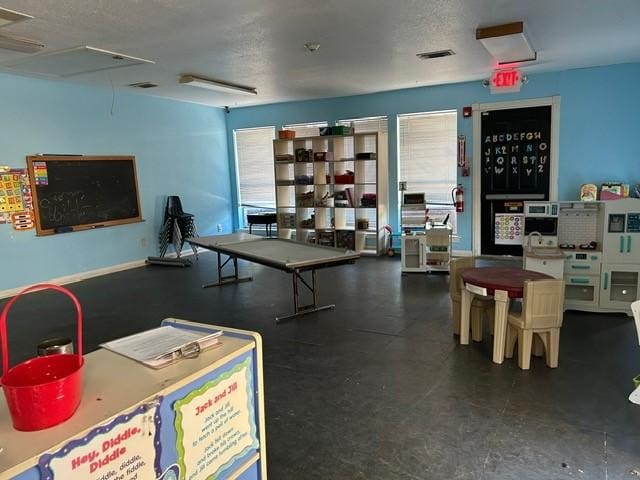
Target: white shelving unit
333, 190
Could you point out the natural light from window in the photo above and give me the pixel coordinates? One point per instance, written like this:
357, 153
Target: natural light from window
254, 164
427, 150
306, 129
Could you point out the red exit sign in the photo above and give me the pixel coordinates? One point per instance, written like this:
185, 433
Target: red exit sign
504, 81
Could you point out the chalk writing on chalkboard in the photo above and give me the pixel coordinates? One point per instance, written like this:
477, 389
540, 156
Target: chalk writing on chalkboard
85, 192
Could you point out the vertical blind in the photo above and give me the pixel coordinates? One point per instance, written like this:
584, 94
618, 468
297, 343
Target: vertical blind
427, 158
254, 160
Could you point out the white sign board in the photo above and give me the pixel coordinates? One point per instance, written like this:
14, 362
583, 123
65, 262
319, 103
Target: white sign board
215, 424
124, 449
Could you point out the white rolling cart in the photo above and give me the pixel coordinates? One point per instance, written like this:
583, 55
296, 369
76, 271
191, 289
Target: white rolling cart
413, 242
413, 253
438, 248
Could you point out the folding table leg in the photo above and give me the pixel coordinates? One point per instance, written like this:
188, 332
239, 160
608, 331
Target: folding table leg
227, 279
312, 307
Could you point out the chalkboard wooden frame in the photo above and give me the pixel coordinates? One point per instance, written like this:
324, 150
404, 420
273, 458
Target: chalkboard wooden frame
80, 158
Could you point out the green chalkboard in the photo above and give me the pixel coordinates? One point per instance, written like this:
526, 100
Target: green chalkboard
72, 193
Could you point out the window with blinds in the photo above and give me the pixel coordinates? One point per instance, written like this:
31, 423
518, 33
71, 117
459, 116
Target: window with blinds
254, 164
427, 159
306, 129
366, 125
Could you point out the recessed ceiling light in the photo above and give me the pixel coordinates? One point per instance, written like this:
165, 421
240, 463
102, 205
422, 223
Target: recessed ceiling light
7, 17
216, 85
311, 47
436, 54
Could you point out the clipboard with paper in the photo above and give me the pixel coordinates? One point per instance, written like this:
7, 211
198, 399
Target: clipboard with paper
164, 345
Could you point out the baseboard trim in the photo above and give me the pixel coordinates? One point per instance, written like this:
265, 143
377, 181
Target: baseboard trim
78, 277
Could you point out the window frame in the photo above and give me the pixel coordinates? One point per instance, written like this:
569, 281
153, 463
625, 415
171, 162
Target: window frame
243, 209
430, 205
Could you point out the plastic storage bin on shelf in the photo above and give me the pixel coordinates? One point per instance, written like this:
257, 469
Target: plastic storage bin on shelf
344, 178
323, 156
287, 134
368, 200
303, 155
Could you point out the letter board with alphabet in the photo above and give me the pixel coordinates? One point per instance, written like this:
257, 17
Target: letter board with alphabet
516, 151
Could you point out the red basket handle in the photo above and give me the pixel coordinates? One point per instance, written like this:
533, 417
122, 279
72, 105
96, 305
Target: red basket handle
5, 312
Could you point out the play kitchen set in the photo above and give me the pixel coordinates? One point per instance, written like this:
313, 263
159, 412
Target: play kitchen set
106, 416
593, 245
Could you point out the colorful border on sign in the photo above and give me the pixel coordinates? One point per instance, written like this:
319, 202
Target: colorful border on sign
171, 473
45, 460
246, 364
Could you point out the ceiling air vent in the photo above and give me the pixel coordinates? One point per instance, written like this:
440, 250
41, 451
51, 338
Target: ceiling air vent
436, 54
143, 85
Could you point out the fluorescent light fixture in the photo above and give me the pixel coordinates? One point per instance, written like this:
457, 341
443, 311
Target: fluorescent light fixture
506, 43
216, 85
20, 44
7, 17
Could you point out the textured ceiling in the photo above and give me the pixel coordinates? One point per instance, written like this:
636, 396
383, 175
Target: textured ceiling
366, 45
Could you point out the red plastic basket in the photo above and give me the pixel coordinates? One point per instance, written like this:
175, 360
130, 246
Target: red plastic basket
43, 391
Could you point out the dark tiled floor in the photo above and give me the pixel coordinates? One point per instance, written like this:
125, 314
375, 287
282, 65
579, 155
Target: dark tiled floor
379, 388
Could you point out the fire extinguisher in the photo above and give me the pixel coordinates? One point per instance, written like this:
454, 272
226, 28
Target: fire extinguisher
457, 196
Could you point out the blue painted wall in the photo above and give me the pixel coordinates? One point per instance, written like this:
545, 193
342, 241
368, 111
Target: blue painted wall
180, 149
598, 124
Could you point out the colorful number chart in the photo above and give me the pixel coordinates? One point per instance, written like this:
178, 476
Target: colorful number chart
508, 229
16, 202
